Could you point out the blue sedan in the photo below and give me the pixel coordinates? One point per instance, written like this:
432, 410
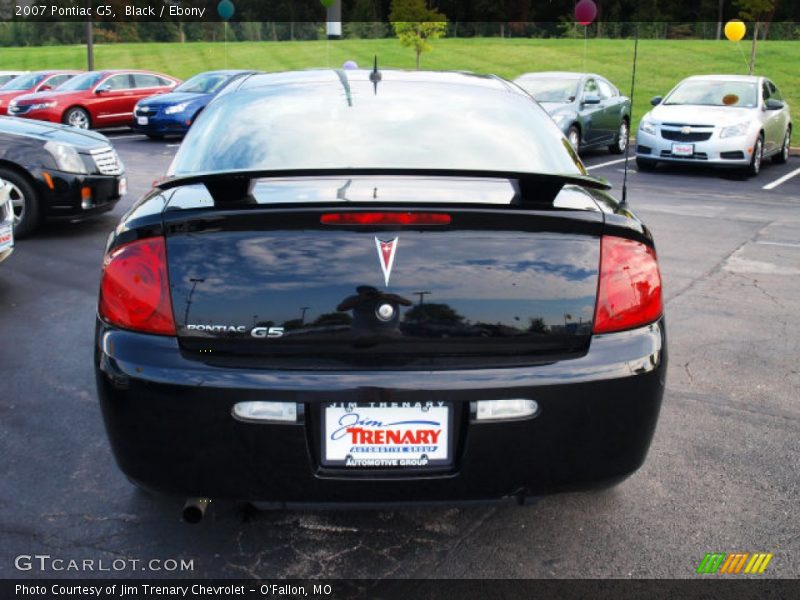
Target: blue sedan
173, 113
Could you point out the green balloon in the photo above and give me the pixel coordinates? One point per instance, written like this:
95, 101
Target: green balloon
327, 3
226, 9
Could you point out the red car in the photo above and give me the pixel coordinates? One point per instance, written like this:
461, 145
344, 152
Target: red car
38, 81
94, 99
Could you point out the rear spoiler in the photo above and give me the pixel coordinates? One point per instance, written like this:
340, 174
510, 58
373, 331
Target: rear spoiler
237, 186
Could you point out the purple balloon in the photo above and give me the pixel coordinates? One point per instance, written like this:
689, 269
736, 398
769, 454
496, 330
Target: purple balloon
350, 64
585, 12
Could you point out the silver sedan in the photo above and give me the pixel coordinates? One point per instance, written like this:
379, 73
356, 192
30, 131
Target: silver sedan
721, 120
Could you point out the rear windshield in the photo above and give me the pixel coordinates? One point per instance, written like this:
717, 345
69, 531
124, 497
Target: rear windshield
347, 124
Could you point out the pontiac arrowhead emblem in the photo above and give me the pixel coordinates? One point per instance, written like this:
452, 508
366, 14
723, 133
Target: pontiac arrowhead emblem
686, 130
386, 252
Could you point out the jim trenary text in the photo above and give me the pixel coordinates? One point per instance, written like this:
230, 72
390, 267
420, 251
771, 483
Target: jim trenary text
141, 590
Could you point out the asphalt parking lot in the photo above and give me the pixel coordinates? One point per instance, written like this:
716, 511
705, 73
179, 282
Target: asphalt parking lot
721, 475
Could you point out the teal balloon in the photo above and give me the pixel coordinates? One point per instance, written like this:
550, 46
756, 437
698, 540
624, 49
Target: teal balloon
327, 3
226, 9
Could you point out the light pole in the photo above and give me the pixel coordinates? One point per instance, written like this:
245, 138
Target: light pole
333, 27
89, 39
421, 296
194, 281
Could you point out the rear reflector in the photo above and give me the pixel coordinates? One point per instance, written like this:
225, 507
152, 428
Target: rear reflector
496, 410
266, 411
134, 288
384, 218
629, 291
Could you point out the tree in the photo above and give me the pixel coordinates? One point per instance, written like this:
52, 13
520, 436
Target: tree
761, 13
434, 312
414, 24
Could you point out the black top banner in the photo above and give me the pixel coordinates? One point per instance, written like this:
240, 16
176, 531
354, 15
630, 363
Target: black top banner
315, 11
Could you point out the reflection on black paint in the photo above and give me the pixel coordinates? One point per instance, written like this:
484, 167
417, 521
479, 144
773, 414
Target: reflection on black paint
455, 294
364, 305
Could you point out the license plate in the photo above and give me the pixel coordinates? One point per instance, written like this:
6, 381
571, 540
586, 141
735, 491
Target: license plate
122, 187
682, 149
386, 435
6, 237
142, 120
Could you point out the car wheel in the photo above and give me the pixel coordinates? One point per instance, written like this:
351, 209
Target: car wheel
621, 141
645, 164
24, 202
783, 156
754, 168
77, 117
574, 137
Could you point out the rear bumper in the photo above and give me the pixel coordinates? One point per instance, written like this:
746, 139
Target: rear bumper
170, 426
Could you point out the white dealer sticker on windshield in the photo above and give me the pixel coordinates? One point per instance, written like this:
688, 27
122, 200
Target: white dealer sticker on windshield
386, 434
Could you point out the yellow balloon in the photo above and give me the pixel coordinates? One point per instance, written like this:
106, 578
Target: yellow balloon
735, 30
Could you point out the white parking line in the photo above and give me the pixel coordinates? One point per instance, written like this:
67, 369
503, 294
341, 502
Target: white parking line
605, 164
785, 244
781, 180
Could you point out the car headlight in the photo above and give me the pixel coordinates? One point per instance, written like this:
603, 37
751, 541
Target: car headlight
66, 157
176, 108
42, 105
735, 130
647, 127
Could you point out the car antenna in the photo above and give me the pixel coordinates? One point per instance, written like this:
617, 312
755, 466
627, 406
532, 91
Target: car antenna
624, 203
375, 76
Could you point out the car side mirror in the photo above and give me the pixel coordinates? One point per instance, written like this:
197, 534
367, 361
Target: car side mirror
591, 99
102, 90
656, 100
773, 104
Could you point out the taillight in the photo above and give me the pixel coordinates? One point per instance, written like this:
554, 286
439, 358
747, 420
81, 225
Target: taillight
629, 291
134, 289
385, 218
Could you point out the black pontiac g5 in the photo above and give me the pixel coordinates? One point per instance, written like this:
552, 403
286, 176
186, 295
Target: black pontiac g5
359, 287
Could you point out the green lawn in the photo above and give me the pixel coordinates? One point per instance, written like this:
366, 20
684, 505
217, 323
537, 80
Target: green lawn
661, 62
